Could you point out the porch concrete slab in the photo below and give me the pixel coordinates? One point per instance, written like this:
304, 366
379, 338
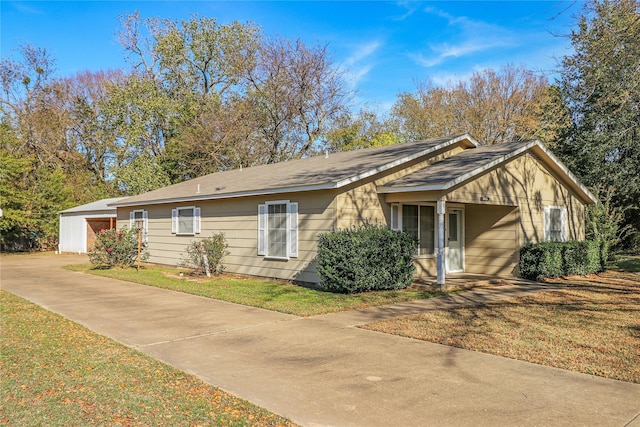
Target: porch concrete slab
319, 371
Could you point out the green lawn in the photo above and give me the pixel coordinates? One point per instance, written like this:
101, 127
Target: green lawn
57, 373
272, 295
627, 263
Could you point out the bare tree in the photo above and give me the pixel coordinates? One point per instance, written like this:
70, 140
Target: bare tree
25, 101
494, 106
298, 92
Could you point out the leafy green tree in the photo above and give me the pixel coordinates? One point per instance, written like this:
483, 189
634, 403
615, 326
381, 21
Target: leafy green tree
92, 133
605, 221
208, 97
30, 198
181, 69
26, 104
364, 130
601, 88
204, 57
50, 194
142, 174
14, 196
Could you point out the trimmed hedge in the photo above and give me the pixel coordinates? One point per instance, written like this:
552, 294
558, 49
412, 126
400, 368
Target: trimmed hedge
555, 259
366, 258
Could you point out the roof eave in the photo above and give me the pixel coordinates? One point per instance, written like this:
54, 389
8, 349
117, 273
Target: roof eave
410, 188
488, 166
323, 186
197, 198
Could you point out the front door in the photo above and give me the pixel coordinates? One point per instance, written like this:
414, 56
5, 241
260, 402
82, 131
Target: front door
454, 241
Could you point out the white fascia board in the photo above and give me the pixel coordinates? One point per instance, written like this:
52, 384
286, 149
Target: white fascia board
408, 188
403, 160
326, 186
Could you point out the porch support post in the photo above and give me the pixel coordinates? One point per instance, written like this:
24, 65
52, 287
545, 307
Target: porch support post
440, 209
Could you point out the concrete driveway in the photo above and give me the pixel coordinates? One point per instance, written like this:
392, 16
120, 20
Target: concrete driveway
321, 371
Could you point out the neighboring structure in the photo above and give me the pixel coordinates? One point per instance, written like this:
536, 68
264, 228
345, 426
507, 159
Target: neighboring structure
79, 225
470, 207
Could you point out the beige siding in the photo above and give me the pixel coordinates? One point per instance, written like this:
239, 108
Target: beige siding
361, 202
491, 239
525, 183
237, 218
426, 266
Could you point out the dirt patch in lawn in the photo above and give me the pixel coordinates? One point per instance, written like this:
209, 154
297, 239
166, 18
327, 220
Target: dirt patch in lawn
592, 326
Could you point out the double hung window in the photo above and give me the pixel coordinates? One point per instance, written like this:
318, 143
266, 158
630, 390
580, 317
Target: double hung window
555, 224
185, 220
278, 229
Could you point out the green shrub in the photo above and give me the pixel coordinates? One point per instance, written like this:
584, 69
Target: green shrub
117, 248
605, 255
204, 256
555, 259
540, 260
365, 258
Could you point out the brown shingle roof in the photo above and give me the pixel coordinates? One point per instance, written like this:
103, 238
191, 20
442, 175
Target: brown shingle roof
312, 173
446, 173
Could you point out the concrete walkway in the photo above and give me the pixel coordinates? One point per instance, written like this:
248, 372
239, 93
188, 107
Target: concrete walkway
321, 371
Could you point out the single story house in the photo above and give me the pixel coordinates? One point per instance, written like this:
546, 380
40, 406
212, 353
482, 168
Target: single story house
79, 225
469, 206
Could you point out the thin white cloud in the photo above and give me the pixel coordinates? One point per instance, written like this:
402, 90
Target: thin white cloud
446, 79
409, 9
360, 63
27, 8
363, 51
445, 51
357, 75
474, 37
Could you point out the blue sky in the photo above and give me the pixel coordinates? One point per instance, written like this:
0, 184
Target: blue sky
386, 46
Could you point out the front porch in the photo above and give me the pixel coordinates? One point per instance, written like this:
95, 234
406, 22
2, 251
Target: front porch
460, 245
455, 281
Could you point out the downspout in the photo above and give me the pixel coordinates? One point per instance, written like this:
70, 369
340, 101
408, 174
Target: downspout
441, 209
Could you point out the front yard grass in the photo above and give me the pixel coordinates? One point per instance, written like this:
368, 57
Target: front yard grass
271, 295
592, 326
57, 373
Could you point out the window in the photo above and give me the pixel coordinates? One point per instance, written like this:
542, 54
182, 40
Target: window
140, 218
555, 224
185, 220
278, 229
417, 220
